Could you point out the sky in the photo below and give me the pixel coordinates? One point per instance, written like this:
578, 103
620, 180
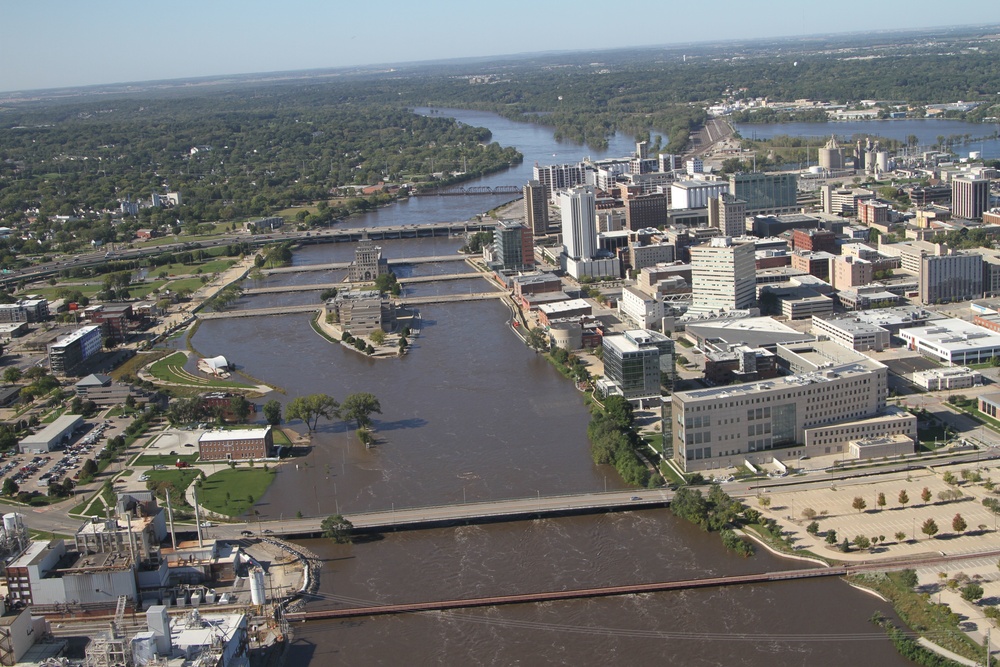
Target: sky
58, 43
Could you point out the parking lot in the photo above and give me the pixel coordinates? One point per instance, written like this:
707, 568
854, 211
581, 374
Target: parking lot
35, 472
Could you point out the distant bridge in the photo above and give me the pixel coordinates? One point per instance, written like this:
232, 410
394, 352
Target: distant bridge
398, 261
313, 308
474, 190
315, 287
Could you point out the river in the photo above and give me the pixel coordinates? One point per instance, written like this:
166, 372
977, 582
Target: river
927, 131
472, 414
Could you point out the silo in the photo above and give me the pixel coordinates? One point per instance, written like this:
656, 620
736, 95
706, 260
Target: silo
258, 589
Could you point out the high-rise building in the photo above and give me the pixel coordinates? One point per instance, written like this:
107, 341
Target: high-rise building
637, 363
950, 276
513, 247
368, 261
970, 197
558, 177
728, 214
766, 193
850, 271
536, 208
723, 276
642, 211
578, 211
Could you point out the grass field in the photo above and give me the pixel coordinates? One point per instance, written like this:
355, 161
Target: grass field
232, 492
179, 480
163, 459
171, 369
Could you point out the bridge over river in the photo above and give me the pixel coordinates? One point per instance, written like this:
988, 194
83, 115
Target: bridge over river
313, 308
492, 511
344, 265
635, 589
278, 289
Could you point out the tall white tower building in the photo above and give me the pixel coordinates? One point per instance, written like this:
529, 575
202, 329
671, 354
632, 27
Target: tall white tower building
723, 276
578, 210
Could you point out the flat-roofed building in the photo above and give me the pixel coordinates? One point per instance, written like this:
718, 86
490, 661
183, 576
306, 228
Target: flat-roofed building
953, 377
58, 433
536, 208
236, 445
723, 276
729, 214
726, 426
953, 341
68, 353
848, 271
641, 309
815, 263
563, 309
695, 194
881, 447
950, 276
636, 364
851, 332
970, 197
766, 193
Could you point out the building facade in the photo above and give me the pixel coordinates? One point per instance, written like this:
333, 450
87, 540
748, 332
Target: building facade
728, 214
67, 354
536, 208
766, 193
237, 445
513, 247
970, 197
950, 276
723, 276
636, 364
368, 261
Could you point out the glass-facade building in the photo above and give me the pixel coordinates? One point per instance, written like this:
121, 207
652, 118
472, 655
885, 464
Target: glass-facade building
766, 193
638, 363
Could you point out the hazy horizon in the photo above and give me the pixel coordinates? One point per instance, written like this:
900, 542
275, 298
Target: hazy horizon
67, 44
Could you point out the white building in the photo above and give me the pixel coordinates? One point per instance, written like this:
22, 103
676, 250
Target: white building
695, 194
815, 411
578, 211
641, 309
953, 341
955, 377
723, 276
851, 332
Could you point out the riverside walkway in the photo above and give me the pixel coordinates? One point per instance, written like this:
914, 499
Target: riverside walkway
397, 261
467, 513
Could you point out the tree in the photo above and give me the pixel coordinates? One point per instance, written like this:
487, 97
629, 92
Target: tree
903, 497
537, 340
958, 524
929, 528
239, 406
11, 374
311, 408
859, 503
972, 592
809, 513
949, 477
764, 501
831, 536
813, 528
130, 402
377, 336
360, 407
89, 469
925, 495
861, 542
337, 528
10, 488
272, 412
619, 411
900, 536
880, 500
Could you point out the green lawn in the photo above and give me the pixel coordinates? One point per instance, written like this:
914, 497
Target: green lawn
185, 283
163, 459
230, 491
171, 369
209, 267
280, 438
179, 480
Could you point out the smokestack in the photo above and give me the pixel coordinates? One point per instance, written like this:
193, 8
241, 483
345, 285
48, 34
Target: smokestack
197, 516
170, 518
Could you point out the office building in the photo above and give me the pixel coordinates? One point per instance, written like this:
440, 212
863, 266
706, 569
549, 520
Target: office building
67, 354
843, 201
695, 194
728, 214
558, 177
513, 247
238, 445
766, 193
851, 332
581, 256
970, 197
948, 275
640, 308
636, 364
536, 208
833, 396
723, 276
954, 342
368, 261
850, 271
643, 210
814, 240
873, 212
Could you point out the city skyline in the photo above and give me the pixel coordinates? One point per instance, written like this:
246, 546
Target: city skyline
64, 44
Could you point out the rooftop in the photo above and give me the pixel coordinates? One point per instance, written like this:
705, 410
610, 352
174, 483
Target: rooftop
245, 434
76, 335
954, 335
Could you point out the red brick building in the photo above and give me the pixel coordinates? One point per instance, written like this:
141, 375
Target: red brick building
814, 240
236, 445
